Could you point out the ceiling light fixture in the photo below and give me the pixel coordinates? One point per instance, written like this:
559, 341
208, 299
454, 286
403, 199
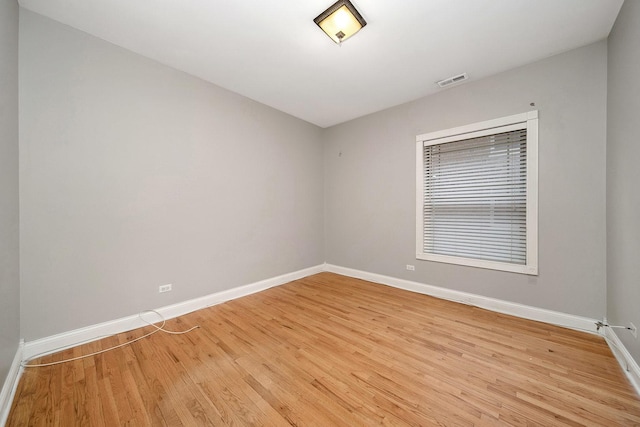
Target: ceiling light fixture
340, 21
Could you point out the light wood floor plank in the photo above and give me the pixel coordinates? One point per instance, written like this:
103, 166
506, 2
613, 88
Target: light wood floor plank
331, 350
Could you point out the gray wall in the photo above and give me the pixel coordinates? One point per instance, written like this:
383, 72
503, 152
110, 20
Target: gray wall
623, 175
370, 183
135, 175
9, 260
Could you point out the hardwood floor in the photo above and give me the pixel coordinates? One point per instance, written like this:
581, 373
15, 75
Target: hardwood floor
329, 350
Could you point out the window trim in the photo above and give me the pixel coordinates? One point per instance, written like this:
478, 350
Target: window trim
528, 120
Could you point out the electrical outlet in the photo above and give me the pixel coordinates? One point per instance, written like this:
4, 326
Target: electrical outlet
634, 330
164, 288
411, 267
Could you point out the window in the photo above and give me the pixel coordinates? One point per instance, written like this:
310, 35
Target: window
477, 194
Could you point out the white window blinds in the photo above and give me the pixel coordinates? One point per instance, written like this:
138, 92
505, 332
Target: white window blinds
477, 194
475, 198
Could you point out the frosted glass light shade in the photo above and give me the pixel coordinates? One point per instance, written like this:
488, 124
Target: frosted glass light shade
340, 21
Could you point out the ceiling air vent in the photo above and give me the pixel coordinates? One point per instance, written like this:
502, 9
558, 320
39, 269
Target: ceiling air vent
452, 80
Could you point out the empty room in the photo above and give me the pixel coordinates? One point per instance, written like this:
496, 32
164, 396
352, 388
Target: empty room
319, 213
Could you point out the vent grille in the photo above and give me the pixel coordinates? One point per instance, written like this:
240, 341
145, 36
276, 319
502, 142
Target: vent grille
452, 80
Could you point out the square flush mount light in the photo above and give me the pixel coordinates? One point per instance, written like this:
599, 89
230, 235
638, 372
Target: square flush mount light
340, 21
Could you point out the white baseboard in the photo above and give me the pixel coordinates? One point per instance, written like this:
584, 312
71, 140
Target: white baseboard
520, 310
73, 338
10, 385
626, 361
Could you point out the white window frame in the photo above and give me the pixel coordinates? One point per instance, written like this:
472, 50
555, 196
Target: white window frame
527, 120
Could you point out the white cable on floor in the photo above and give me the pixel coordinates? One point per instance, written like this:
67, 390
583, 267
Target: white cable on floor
158, 329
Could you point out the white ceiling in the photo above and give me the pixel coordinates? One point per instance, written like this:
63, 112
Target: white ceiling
272, 52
